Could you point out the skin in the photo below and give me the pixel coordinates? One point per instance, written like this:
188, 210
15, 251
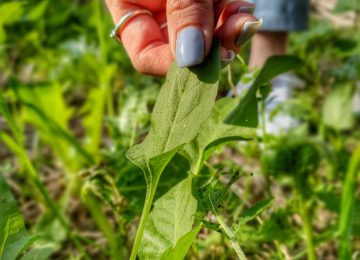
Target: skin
265, 45
152, 50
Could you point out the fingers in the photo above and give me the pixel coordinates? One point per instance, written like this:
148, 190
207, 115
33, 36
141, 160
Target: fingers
236, 25
143, 40
190, 28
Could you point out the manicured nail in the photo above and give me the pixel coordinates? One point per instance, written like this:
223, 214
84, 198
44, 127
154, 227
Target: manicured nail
190, 47
247, 9
228, 60
248, 31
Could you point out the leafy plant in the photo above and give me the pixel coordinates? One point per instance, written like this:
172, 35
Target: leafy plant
13, 236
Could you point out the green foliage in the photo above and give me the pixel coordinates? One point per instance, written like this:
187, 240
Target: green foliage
183, 105
167, 232
291, 156
252, 212
337, 109
246, 113
214, 133
70, 102
13, 236
348, 201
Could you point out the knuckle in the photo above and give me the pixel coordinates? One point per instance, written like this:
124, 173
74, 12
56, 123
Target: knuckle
181, 6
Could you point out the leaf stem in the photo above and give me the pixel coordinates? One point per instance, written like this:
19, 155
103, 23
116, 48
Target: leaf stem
231, 235
228, 231
311, 253
150, 193
348, 204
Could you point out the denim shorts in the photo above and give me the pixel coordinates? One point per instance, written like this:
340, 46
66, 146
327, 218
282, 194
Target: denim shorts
283, 15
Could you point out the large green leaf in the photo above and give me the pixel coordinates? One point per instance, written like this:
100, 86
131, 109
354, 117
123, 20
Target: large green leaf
182, 107
214, 133
337, 110
171, 219
13, 236
246, 113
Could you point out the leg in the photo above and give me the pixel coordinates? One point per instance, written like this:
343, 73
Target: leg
266, 44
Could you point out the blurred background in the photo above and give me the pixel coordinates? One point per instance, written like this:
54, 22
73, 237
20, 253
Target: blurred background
71, 105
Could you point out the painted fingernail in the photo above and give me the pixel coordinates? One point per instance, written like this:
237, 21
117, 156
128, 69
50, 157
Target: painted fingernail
190, 47
247, 9
226, 61
248, 31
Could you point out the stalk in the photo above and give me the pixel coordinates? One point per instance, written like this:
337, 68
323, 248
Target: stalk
348, 204
231, 235
93, 205
311, 253
229, 232
150, 193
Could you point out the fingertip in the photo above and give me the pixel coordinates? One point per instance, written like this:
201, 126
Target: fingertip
237, 30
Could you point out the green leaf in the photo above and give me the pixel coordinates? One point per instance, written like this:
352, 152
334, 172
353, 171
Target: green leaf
215, 133
337, 109
13, 236
246, 113
171, 219
10, 13
182, 246
347, 5
40, 251
348, 200
251, 213
183, 105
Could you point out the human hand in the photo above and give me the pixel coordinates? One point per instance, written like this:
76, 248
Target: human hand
191, 25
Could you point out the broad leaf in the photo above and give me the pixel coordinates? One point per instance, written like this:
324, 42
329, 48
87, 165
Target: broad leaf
337, 109
183, 105
13, 236
171, 219
214, 133
246, 113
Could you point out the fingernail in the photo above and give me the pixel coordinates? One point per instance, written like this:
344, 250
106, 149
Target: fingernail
228, 60
248, 31
247, 9
190, 47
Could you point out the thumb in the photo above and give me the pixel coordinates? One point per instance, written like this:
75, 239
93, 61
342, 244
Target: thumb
190, 25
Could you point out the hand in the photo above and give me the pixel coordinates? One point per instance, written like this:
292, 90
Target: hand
191, 25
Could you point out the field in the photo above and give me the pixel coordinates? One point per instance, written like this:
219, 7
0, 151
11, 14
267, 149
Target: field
100, 162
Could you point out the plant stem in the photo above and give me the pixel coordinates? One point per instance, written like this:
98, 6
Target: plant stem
348, 204
150, 193
93, 205
231, 235
311, 253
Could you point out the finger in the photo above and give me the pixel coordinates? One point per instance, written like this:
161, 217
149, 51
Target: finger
190, 26
143, 40
223, 10
161, 19
237, 30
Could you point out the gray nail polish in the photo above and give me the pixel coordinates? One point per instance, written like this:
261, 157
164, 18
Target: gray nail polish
190, 47
247, 9
227, 61
248, 31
